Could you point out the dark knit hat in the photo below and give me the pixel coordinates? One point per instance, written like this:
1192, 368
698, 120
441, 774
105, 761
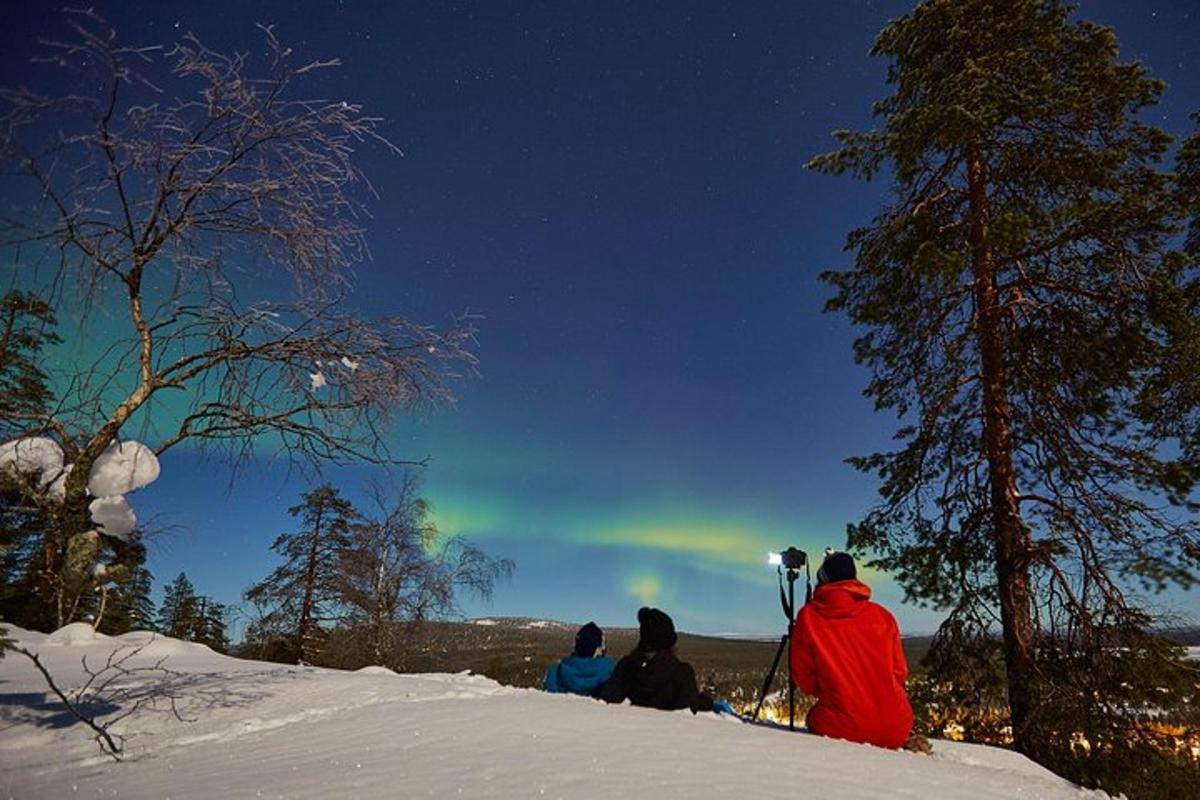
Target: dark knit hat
657, 630
589, 641
837, 567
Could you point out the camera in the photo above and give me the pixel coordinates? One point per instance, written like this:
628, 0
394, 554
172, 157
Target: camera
792, 558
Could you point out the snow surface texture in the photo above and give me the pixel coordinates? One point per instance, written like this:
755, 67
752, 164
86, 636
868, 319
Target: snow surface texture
271, 730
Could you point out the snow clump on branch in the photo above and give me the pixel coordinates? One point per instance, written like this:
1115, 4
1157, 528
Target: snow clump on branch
122, 468
114, 517
33, 454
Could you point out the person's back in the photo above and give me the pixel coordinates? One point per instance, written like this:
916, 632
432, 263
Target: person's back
846, 652
652, 676
586, 669
655, 679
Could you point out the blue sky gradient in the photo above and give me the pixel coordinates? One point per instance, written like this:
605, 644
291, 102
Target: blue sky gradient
618, 189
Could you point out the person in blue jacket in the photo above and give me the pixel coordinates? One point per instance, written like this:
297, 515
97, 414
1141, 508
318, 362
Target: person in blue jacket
586, 669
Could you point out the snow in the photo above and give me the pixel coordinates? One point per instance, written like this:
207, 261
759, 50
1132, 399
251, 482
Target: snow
373, 670
58, 484
349, 363
259, 729
317, 380
77, 633
113, 516
122, 468
486, 622
1193, 653
32, 454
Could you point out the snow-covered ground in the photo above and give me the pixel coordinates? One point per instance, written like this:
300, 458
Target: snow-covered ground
254, 729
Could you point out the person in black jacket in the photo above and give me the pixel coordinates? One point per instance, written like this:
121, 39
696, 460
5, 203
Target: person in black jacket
651, 675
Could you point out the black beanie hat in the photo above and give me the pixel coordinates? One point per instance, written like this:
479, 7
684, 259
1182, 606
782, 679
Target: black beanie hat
837, 567
589, 640
657, 630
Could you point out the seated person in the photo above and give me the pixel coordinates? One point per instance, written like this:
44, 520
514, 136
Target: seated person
586, 669
651, 675
846, 652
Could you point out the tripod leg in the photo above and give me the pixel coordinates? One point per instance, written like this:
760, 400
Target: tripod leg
762, 695
791, 687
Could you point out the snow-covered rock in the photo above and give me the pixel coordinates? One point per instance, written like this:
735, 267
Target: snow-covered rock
123, 468
271, 730
74, 635
375, 670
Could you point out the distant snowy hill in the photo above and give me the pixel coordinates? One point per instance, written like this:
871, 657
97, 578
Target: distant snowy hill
249, 729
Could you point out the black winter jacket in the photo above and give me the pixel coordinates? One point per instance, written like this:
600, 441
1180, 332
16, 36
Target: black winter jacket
655, 680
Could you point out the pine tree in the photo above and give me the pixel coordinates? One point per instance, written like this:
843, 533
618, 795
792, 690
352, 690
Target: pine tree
26, 328
177, 614
129, 604
303, 590
30, 549
1029, 324
210, 625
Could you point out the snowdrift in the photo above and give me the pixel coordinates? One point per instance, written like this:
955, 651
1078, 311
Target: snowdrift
247, 729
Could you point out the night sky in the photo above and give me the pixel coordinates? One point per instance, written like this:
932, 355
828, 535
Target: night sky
618, 189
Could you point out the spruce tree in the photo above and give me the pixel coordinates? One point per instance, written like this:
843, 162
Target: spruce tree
129, 604
210, 625
303, 590
177, 614
1026, 319
30, 548
26, 329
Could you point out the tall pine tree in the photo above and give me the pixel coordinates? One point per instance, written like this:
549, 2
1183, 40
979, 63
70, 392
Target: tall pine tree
1027, 321
304, 589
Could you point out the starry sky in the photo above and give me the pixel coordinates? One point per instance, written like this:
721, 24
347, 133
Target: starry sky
618, 190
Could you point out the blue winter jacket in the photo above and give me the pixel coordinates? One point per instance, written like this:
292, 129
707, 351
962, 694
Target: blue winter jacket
579, 675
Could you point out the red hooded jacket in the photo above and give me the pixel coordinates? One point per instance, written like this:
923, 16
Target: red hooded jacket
846, 652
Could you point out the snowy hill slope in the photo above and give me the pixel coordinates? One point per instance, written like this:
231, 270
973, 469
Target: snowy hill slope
257, 729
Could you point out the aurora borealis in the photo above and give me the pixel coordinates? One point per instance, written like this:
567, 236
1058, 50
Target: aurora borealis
617, 189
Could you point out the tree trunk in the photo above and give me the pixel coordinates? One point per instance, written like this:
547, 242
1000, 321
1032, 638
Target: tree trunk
103, 606
1012, 540
377, 615
304, 629
72, 520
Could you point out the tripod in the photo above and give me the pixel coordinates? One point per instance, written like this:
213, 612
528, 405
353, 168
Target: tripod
788, 601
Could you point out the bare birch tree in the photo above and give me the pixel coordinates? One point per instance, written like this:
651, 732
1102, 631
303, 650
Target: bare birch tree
154, 205
398, 569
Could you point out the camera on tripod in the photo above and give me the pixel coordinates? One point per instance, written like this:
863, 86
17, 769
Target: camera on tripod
788, 563
792, 558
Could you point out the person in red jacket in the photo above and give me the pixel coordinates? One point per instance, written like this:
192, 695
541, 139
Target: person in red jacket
846, 652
